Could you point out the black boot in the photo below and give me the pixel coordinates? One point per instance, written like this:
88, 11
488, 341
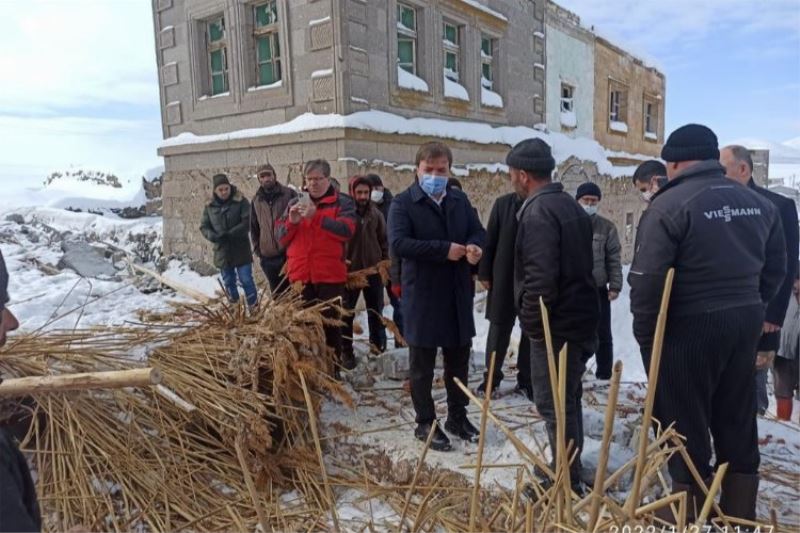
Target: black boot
694, 503
525, 390
348, 361
439, 442
462, 428
738, 496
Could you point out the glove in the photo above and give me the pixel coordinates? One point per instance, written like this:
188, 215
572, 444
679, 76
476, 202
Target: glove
397, 290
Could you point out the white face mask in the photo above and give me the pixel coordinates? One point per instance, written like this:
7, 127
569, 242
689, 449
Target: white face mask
376, 196
590, 209
647, 196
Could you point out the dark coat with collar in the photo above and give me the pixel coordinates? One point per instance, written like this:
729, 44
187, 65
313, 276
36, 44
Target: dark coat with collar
724, 240
437, 299
553, 260
227, 225
497, 263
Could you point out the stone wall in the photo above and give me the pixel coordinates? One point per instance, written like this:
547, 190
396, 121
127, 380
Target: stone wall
187, 179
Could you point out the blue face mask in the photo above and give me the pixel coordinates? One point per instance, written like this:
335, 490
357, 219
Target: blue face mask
433, 185
590, 209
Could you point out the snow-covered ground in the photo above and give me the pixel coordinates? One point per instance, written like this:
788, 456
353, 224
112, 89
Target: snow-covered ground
32, 236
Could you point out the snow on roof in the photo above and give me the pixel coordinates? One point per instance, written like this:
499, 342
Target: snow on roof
322, 73
379, 121
485, 9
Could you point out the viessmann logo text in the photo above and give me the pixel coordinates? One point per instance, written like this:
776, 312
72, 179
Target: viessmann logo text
728, 213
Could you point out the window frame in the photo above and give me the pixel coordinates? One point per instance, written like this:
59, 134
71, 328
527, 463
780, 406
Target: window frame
571, 98
621, 104
212, 47
272, 32
407, 34
653, 117
488, 60
452, 48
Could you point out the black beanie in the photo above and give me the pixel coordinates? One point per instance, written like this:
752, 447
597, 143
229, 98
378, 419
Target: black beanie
533, 155
588, 189
220, 179
692, 142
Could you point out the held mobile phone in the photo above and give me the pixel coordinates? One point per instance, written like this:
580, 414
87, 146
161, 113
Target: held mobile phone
304, 199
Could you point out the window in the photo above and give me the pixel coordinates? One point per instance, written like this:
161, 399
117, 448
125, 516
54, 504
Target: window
407, 38
452, 47
650, 119
567, 92
488, 46
267, 43
216, 45
617, 107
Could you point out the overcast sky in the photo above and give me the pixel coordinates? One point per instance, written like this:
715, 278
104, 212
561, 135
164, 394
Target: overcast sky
80, 85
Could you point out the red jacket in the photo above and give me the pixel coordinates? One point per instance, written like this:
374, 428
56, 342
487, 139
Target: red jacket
315, 248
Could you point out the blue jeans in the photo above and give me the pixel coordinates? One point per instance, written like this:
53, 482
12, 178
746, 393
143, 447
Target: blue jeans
245, 277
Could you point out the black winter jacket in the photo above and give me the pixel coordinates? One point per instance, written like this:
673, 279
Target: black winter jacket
19, 508
725, 242
776, 310
497, 263
227, 225
553, 260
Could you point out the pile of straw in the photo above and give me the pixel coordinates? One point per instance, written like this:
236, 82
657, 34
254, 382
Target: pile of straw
230, 428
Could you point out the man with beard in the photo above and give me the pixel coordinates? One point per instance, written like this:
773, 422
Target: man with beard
226, 221
269, 203
314, 230
553, 261
365, 250
438, 236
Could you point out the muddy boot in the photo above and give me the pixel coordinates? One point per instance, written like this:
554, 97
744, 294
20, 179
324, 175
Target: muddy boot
694, 501
738, 496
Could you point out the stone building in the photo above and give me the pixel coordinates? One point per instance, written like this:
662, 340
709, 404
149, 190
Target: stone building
629, 98
570, 73
361, 83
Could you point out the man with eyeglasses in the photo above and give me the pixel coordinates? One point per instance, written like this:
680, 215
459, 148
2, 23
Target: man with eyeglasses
314, 230
269, 203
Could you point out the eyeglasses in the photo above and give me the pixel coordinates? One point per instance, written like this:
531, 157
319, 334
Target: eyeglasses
315, 180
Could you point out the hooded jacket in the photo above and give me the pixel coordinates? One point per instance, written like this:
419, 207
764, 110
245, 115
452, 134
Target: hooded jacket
724, 240
368, 246
315, 248
268, 205
226, 224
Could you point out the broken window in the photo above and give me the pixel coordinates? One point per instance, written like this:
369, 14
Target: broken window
567, 93
216, 45
488, 46
267, 43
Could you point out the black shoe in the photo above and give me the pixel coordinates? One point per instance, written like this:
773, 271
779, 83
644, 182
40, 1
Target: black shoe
602, 375
462, 428
439, 442
525, 390
481, 390
348, 361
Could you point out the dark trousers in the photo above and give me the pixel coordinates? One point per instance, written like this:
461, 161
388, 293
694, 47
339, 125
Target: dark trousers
397, 312
577, 355
456, 365
373, 297
322, 292
273, 267
605, 349
497, 343
707, 383
19, 508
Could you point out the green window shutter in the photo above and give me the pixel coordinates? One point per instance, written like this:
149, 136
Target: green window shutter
450, 33
486, 46
408, 18
405, 51
218, 84
264, 49
217, 62
450, 61
216, 30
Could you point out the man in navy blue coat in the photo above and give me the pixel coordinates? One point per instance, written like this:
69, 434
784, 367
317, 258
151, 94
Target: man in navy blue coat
436, 234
